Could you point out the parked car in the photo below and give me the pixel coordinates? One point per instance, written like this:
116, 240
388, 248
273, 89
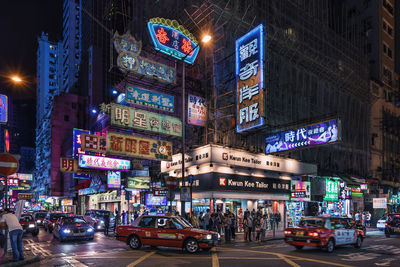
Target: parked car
96, 218
323, 232
392, 225
381, 224
166, 231
39, 217
72, 228
51, 219
28, 224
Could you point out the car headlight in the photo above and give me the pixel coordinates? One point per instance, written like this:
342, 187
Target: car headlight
31, 225
98, 226
38, 221
207, 237
90, 229
66, 231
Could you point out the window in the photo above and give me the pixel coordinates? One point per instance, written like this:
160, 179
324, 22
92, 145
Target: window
389, 53
384, 48
388, 7
148, 222
387, 27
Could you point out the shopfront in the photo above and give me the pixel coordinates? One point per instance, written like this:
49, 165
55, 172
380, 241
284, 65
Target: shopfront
300, 194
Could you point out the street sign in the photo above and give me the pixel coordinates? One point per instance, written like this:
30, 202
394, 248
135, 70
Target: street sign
8, 164
27, 196
171, 195
171, 182
190, 179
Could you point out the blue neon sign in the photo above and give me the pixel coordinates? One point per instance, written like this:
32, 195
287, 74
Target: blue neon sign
311, 135
169, 39
149, 99
3, 109
249, 55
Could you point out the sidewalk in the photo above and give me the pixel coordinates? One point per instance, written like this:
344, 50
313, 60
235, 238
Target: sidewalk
6, 261
240, 238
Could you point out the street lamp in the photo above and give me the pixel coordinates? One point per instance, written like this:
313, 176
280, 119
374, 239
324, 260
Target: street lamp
16, 79
206, 38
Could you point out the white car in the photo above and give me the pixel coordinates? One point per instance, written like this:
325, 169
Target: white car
381, 223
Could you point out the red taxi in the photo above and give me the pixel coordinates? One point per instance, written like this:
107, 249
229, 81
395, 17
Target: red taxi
166, 231
323, 232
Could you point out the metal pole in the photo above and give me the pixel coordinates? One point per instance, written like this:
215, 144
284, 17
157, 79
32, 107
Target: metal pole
183, 133
6, 192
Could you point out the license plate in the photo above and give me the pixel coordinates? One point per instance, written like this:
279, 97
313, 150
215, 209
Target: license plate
299, 234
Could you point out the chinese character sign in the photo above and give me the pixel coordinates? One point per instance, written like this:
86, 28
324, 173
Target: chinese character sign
315, 134
197, 110
149, 99
331, 191
77, 141
68, 165
172, 39
103, 163
141, 147
22, 176
93, 143
249, 53
300, 191
3, 109
114, 179
132, 118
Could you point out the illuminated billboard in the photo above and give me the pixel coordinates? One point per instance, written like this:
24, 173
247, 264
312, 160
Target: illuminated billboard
3, 109
114, 179
133, 118
103, 163
150, 99
77, 141
173, 39
311, 135
249, 54
197, 110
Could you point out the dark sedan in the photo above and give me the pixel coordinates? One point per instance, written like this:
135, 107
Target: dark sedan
72, 228
29, 225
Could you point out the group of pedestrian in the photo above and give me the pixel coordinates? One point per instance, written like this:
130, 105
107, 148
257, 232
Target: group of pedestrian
223, 223
255, 226
363, 218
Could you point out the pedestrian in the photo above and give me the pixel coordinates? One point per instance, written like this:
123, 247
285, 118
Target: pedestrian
106, 223
227, 223
357, 217
368, 219
10, 221
264, 223
117, 219
250, 226
194, 221
363, 218
206, 219
245, 227
220, 218
257, 225
201, 220
233, 226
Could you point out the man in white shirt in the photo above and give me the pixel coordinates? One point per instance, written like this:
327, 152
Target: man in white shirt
10, 221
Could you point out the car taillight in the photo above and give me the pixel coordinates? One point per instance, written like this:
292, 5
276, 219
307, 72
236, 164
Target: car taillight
287, 232
386, 224
313, 234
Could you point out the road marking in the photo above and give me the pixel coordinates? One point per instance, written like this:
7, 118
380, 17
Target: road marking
288, 261
214, 257
136, 262
74, 262
288, 256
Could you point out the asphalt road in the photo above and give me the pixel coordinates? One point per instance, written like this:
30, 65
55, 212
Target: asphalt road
105, 251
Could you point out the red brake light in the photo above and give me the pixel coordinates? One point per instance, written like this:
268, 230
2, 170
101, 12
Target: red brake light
386, 224
313, 234
287, 232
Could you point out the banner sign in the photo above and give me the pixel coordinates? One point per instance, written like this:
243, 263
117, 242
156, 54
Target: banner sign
141, 147
249, 53
21, 187
315, 134
71, 166
197, 110
77, 141
114, 179
173, 39
379, 203
12, 181
149, 98
132, 118
22, 176
94, 143
3, 108
300, 191
103, 163
344, 191
332, 191
26, 196
152, 200
138, 182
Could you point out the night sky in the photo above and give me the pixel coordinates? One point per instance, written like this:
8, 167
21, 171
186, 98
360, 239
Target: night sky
22, 21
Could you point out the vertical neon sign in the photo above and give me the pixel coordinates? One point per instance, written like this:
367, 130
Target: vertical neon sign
249, 54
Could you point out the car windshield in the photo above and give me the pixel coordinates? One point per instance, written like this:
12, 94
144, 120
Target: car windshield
40, 215
26, 218
183, 223
102, 213
73, 220
394, 219
56, 216
312, 223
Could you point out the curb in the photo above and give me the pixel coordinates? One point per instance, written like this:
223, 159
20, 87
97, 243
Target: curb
253, 242
21, 263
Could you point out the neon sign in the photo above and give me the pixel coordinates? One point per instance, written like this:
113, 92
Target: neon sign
77, 141
249, 54
3, 109
114, 179
311, 135
332, 191
173, 39
103, 163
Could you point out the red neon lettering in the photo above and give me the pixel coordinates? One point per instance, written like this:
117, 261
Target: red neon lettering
187, 46
162, 36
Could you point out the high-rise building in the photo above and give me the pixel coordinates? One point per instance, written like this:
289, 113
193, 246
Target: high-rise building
72, 35
49, 56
